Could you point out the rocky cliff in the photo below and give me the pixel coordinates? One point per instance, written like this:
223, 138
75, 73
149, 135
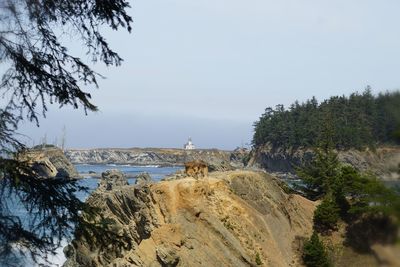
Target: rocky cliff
384, 161
235, 218
50, 162
156, 156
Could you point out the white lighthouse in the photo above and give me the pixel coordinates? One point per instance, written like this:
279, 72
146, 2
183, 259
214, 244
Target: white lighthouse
189, 145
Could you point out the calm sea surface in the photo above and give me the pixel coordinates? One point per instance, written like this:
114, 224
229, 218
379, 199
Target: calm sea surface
91, 181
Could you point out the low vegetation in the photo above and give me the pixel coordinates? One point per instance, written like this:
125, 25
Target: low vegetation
258, 259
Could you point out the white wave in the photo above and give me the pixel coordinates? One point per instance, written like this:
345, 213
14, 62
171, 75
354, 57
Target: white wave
150, 166
56, 260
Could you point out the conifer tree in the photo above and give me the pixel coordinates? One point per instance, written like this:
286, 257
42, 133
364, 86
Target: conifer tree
314, 253
38, 70
326, 215
359, 121
323, 171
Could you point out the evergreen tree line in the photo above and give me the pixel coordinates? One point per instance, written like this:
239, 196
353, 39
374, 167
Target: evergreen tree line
358, 121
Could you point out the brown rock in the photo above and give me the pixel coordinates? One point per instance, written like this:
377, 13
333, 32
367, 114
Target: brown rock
111, 179
225, 219
49, 162
143, 178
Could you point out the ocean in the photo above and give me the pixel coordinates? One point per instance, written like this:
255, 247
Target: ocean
90, 173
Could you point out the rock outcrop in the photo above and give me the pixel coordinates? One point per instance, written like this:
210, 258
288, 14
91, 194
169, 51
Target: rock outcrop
235, 218
112, 179
50, 162
240, 156
384, 161
219, 159
143, 178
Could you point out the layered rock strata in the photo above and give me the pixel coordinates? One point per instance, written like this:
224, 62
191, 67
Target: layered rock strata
50, 162
235, 218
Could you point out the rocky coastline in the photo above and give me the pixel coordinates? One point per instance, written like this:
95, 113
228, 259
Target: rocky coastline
163, 157
383, 161
226, 218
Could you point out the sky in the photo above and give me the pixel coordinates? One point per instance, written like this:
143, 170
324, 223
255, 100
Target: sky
208, 69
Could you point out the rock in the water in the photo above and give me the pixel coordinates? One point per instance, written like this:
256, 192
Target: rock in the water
143, 178
111, 179
49, 162
43, 167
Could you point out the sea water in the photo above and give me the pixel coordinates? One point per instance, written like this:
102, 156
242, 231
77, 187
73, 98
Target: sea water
90, 173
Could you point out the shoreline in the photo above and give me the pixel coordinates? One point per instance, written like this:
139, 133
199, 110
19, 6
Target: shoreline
118, 164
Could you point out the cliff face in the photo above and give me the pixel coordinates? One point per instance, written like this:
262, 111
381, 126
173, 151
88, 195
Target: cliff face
235, 218
385, 162
50, 162
155, 156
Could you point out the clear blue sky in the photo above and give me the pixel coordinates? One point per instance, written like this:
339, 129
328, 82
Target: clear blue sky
209, 68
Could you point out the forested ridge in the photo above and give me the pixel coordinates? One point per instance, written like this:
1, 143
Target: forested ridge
357, 121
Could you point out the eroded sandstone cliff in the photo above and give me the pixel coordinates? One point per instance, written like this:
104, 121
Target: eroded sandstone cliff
235, 218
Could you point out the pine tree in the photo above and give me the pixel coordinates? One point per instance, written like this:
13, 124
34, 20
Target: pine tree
314, 253
39, 70
324, 170
326, 215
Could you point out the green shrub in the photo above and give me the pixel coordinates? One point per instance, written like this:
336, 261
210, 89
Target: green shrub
258, 259
326, 215
314, 253
246, 159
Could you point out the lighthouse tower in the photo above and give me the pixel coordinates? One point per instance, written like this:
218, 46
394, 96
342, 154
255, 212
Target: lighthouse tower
189, 145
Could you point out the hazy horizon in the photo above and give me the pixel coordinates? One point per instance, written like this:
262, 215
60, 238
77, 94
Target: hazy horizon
209, 69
